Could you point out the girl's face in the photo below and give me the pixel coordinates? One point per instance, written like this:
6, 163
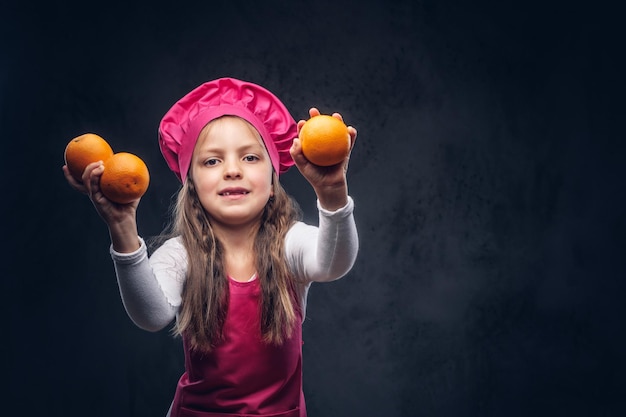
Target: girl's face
232, 172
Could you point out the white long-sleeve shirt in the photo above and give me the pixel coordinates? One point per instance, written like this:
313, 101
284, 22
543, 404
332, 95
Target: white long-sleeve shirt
151, 287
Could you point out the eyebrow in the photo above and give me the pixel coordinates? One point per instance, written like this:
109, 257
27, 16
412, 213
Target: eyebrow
256, 147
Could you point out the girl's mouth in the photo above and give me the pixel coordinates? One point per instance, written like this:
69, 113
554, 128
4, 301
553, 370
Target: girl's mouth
227, 193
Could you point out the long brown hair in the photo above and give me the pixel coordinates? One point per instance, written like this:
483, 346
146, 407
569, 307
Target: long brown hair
205, 292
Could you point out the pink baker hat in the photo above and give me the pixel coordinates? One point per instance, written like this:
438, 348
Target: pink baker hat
181, 125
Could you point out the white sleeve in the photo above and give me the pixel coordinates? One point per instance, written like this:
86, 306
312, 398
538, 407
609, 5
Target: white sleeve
151, 288
327, 252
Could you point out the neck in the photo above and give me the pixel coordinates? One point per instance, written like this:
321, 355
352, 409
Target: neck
236, 238
239, 254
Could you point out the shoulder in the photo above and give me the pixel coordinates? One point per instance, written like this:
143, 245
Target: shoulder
299, 232
298, 241
171, 251
173, 243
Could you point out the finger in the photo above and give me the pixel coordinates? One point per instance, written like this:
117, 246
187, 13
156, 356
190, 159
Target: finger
296, 153
72, 181
338, 116
300, 124
313, 111
91, 176
86, 177
296, 147
353, 134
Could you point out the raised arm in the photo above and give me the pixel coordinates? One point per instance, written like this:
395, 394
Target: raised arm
142, 293
327, 252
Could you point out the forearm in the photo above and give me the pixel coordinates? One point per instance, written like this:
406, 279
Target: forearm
124, 236
337, 243
332, 197
144, 300
327, 252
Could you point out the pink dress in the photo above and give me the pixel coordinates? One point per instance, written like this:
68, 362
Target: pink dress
243, 376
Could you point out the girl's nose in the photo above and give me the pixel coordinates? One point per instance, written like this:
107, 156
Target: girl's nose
232, 170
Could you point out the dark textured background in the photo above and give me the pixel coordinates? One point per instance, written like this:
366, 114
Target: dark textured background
488, 179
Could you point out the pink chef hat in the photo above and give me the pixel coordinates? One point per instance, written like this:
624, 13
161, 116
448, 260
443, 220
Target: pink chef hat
181, 125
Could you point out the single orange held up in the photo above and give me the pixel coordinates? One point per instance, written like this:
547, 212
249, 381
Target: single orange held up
325, 140
125, 178
83, 150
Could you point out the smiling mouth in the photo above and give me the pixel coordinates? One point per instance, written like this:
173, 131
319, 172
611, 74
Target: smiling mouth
227, 193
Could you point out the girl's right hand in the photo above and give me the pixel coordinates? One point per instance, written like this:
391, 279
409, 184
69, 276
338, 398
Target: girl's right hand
112, 213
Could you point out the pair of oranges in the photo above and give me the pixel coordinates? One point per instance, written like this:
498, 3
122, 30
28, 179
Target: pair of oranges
125, 177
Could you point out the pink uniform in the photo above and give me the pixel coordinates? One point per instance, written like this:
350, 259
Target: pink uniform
243, 376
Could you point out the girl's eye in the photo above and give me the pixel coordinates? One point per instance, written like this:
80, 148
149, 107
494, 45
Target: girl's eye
211, 162
250, 158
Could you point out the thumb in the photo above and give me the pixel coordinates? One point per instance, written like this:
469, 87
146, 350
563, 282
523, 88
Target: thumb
296, 152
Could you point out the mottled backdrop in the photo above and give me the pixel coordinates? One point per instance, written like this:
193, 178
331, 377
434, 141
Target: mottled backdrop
488, 178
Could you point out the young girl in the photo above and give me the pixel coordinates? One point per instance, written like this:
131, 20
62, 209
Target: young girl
236, 273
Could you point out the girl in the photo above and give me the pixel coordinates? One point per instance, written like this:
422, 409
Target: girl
236, 272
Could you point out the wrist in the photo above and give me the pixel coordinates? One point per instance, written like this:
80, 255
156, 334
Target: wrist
124, 237
333, 197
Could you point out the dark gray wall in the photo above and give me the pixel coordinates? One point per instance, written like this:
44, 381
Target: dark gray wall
488, 179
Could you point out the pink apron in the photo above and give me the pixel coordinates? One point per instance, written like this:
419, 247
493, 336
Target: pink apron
243, 376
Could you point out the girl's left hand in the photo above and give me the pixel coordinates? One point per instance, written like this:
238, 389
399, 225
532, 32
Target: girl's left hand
329, 182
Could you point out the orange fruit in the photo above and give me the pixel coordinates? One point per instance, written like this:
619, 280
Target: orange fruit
125, 178
83, 150
325, 140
